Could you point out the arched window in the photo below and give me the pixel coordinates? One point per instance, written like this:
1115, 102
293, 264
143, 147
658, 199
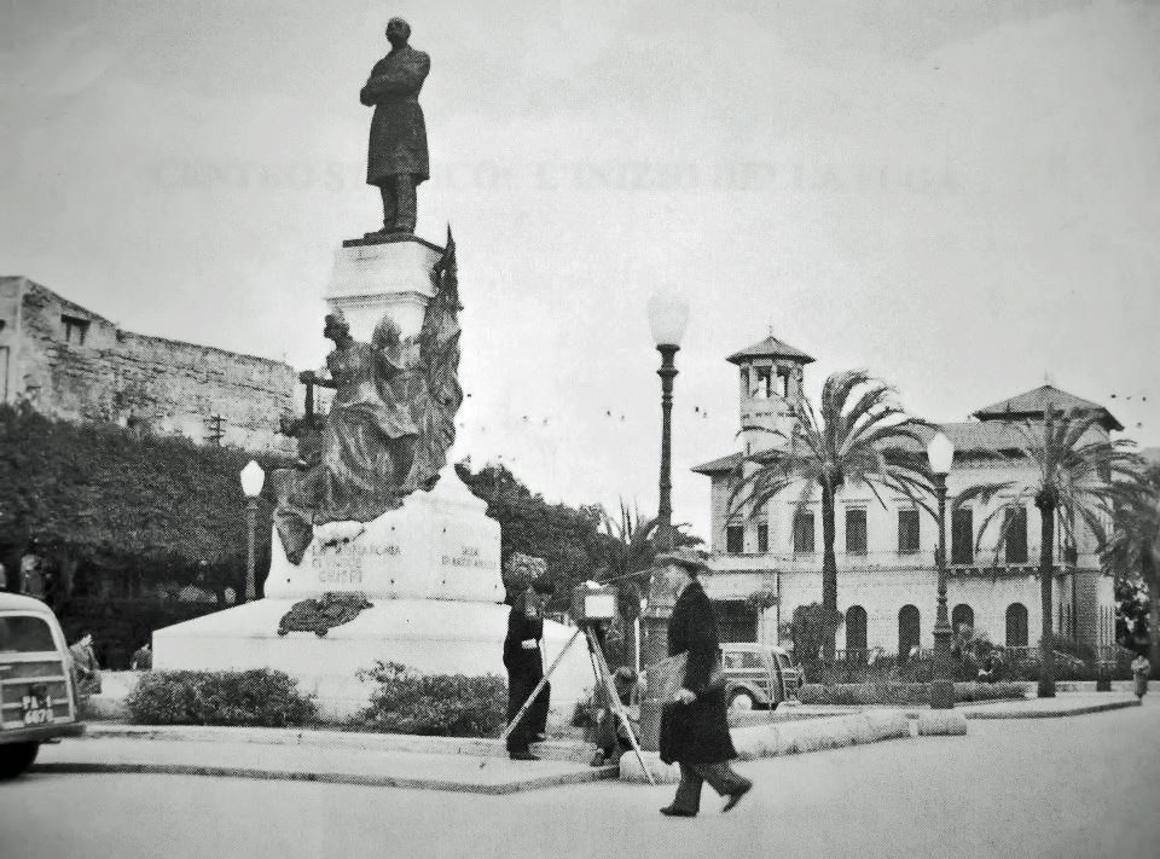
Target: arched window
1016, 625
908, 631
962, 615
855, 628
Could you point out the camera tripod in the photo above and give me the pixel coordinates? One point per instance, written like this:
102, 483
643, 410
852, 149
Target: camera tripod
602, 676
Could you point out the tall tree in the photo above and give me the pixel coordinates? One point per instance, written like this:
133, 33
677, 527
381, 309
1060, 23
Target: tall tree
1079, 475
860, 437
568, 538
1133, 551
118, 500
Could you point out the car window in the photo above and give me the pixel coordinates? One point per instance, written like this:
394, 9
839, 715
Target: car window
24, 634
743, 660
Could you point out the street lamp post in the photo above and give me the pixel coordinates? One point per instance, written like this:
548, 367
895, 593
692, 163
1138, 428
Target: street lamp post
252, 477
667, 316
941, 452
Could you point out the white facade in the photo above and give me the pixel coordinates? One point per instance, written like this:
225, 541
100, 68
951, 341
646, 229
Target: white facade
880, 574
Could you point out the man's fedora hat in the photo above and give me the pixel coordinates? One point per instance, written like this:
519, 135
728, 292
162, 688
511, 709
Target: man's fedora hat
688, 558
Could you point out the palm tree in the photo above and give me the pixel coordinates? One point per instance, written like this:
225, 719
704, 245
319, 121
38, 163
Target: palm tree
1134, 547
1079, 475
630, 547
858, 437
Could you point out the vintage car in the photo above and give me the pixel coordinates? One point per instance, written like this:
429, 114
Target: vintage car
38, 698
758, 675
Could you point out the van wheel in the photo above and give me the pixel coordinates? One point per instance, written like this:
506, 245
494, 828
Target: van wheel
741, 700
15, 758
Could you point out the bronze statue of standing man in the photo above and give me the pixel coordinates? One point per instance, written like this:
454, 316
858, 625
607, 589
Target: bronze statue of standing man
397, 154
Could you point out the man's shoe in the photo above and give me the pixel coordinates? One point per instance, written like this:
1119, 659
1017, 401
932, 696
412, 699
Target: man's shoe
523, 756
673, 811
735, 797
598, 759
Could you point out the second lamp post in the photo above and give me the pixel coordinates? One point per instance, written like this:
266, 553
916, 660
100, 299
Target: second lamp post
252, 478
941, 453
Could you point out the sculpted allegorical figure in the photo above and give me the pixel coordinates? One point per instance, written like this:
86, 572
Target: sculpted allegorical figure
397, 154
390, 424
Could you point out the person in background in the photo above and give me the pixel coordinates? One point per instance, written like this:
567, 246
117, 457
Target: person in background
142, 658
612, 738
3, 578
992, 668
32, 573
694, 728
1141, 668
88, 670
525, 668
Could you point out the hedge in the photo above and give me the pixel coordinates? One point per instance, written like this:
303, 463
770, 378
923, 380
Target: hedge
888, 692
258, 697
446, 705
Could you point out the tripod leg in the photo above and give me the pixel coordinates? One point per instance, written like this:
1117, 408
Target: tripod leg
606, 678
528, 703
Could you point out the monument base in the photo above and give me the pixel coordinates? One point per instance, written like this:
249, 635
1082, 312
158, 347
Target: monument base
430, 636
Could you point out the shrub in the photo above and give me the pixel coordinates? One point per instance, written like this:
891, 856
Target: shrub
809, 630
257, 697
897, 693
445, 705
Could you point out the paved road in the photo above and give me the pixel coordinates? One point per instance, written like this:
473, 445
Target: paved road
1083, 786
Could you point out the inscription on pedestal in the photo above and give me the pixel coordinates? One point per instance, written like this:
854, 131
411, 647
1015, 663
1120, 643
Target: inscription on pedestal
468, 558
344, 565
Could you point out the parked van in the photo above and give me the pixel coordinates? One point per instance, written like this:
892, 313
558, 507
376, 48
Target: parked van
758, 675
38, 698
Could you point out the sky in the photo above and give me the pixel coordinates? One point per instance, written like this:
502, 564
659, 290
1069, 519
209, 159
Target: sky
962, 198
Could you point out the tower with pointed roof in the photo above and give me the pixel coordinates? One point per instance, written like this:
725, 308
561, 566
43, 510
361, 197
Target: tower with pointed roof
769, 392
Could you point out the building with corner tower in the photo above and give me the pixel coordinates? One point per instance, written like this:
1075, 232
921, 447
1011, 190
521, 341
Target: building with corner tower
887, 579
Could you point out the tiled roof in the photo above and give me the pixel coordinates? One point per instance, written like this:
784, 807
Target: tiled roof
1035, 402
770, 347
970, 438
717, 466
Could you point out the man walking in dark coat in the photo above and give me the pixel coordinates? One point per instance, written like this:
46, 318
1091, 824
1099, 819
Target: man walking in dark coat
694, 725
397, 151
525, 667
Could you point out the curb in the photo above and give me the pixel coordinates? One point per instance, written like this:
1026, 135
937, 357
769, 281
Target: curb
579, 777
1053, 714
570, 751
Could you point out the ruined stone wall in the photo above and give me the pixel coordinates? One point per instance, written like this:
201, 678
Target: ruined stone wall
167, 386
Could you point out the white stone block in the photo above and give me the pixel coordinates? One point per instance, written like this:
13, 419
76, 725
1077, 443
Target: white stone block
887, 724
662, 773
942, 722
370, 280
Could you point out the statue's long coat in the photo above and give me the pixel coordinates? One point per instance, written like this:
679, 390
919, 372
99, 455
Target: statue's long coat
398, 139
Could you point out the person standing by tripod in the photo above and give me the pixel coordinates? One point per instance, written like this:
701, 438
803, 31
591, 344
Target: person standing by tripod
525, 668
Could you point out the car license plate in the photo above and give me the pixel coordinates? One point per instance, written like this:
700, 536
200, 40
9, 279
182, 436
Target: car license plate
37, 709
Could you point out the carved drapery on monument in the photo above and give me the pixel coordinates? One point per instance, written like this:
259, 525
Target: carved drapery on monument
391, 421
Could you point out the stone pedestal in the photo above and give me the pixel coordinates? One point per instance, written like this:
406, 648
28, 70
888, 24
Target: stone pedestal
431, 568
439, 545
392, 277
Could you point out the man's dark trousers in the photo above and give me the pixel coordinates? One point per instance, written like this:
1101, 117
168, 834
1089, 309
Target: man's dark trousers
521, 682
720, 776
